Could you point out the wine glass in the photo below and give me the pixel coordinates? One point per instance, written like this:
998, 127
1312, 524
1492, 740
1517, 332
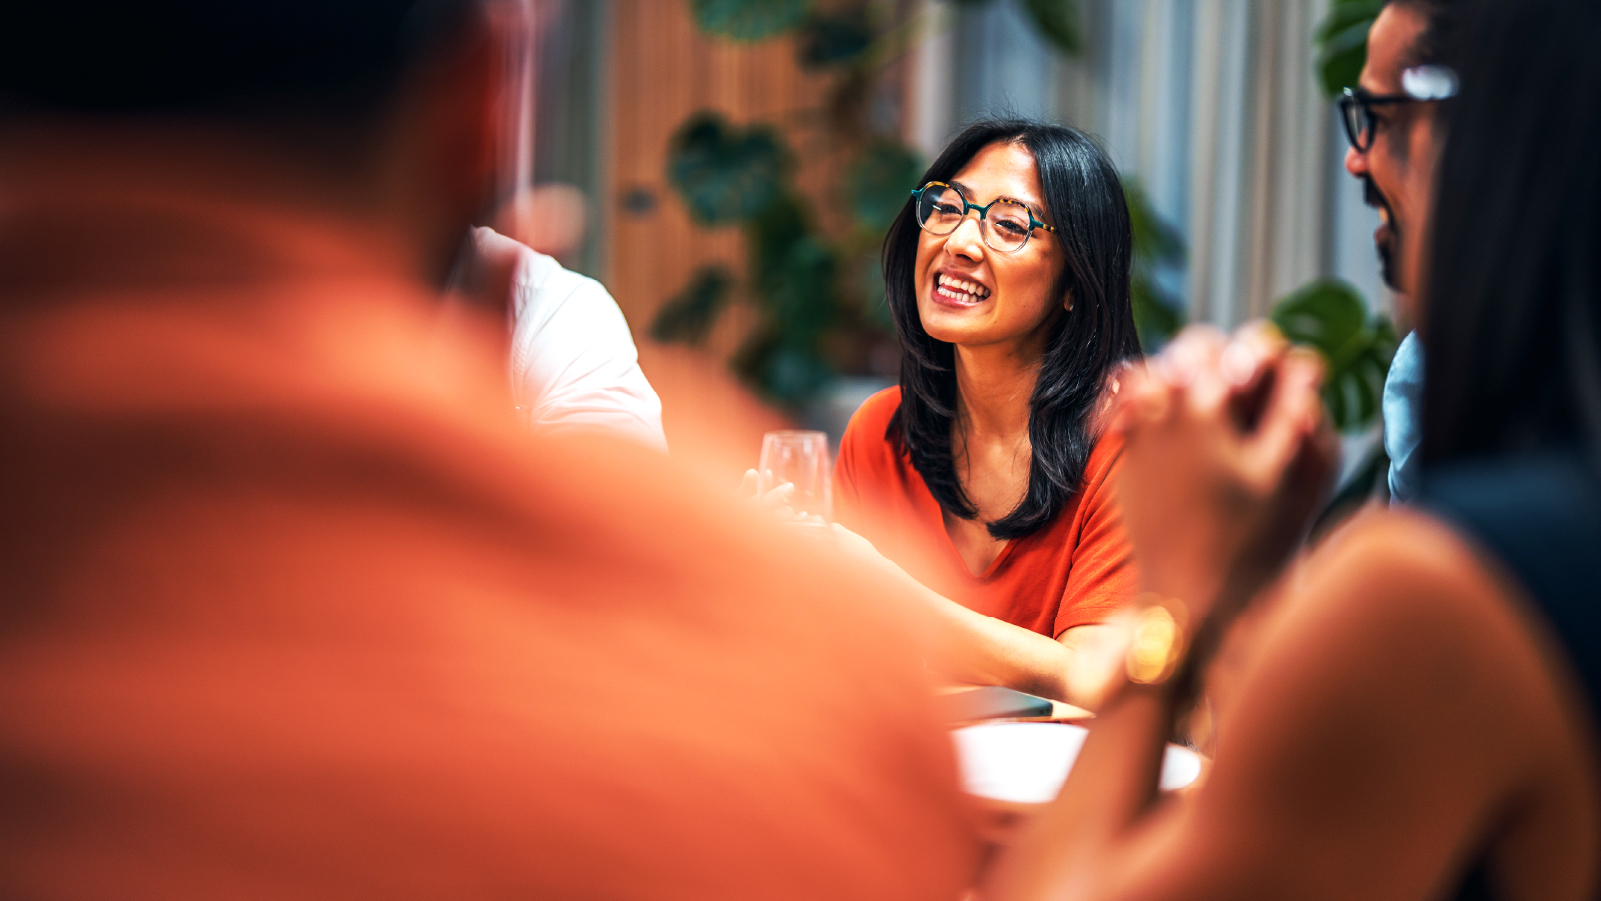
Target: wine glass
798, 458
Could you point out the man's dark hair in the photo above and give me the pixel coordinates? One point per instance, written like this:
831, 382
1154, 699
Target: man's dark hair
1513, 317
1442, 21
1085, 201
301, 58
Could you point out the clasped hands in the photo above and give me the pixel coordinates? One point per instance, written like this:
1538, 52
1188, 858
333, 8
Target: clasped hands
1226, 455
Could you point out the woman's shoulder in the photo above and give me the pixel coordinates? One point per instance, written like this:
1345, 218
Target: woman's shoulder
1380, 618
1394, 588
866, 454
1391, 654
870, 421
1392, 558
1101, 467
876, 412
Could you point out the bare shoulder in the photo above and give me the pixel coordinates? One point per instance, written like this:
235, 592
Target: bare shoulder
1402, 681
1389, 566
1406, 627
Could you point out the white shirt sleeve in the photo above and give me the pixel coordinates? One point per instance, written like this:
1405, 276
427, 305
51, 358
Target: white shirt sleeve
573, 360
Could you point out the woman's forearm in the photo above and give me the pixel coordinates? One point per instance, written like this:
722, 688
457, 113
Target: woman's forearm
1076, 846
990, 651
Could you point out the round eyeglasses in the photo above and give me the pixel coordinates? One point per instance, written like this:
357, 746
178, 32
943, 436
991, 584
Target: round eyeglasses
1004, 224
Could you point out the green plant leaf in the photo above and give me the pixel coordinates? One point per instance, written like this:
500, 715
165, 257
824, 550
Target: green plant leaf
1341, 42
792, 272
1325, 314
801, 298
880, 181
748, 20
770, 235
1057, 22
1331, 317
834, 38
726, 174
689, 316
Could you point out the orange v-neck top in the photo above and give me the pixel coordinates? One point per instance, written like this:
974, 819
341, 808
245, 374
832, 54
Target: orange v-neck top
1074, 572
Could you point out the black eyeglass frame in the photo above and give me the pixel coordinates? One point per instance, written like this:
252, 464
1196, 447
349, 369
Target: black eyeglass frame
1358, 102
983, 211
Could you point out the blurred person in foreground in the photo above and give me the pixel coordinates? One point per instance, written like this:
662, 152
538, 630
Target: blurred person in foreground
1389, 120
1419, 717
293, 606
986, 475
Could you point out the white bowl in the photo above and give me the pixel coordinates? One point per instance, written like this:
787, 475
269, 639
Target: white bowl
1026, 763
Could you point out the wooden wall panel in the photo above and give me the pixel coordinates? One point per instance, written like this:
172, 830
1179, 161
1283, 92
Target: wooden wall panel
662, 71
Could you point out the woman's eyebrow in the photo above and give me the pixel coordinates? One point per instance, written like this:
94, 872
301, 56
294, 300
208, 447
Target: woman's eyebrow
1033, 206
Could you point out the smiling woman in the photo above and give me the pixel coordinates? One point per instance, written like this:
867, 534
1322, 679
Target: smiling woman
984, 475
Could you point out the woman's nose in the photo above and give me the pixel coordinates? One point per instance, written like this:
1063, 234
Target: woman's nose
968, 238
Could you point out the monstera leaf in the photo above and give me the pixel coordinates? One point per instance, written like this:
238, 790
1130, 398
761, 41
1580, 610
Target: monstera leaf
748, 20
1342, 42
1330, 316
880, 182
725, 174
689, 316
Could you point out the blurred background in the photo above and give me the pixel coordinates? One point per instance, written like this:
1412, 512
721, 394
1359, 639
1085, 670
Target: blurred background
727, 168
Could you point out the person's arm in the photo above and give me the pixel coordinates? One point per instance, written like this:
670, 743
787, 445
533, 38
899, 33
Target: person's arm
1353, 759
988, 651
1394, 708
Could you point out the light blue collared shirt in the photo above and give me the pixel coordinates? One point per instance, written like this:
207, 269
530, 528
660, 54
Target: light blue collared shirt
1403, 417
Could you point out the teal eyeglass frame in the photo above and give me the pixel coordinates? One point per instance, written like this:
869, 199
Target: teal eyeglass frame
967, 206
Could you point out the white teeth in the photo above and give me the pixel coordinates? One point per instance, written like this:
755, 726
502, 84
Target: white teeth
962, 290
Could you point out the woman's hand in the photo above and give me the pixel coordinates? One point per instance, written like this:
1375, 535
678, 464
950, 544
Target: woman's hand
1226, 453
775, 501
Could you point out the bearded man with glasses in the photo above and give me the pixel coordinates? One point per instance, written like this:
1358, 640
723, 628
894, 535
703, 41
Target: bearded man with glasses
1390, 121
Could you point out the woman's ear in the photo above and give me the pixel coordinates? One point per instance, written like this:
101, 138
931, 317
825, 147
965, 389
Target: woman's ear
1067, 302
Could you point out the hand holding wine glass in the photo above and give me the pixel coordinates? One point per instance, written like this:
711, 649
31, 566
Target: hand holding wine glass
795, 478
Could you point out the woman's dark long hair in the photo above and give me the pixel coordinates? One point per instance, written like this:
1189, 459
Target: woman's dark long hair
1085, 201
1513, 319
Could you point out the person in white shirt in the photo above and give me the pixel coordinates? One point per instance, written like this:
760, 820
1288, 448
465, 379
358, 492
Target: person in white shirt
573, 360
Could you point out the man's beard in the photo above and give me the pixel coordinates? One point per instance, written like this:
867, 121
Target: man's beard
1373, 198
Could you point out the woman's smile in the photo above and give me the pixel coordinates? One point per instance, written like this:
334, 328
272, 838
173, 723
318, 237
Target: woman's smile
952, 290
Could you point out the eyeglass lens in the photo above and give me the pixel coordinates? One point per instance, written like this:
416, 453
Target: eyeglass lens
1005, 225
1358, 122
